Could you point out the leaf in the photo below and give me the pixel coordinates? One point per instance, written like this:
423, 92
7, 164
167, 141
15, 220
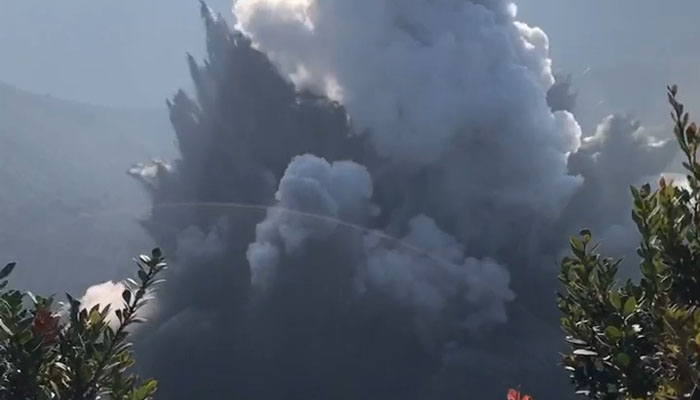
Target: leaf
126, 295
25, 336
586, 233
613, 333
574, 340
5, 328
156, 253
142, 275
95, 317
615, 299
673, 89
691, 132
622, 359
32, 297
630, 305
7, 270
144, 392
576, 243
585, 352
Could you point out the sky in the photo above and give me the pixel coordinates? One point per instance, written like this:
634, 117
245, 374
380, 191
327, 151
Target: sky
102, 52
631, 48
111, 52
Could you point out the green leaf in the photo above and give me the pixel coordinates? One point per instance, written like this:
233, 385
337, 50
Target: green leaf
613, 333
25, 336
622, 359
95, 317
7, 270
630, 306
586, 233
615, 299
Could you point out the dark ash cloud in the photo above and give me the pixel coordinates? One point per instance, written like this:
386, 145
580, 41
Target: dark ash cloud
372, 213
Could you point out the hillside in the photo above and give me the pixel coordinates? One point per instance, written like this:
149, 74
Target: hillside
67, 204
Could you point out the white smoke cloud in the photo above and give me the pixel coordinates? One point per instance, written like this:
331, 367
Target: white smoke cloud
417, 73
455, 83
456, 86
110, 294
104, 294
148, 172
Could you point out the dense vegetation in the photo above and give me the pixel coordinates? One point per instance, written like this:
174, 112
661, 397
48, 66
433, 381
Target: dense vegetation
641, 340
73, 353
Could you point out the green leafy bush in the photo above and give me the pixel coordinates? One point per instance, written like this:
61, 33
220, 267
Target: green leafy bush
641, 340
80, 355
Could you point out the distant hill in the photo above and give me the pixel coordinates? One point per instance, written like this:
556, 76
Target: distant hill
67, 206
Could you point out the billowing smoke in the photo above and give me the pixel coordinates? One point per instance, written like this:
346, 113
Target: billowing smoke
339, 192
369, 203
618, 154
104, 294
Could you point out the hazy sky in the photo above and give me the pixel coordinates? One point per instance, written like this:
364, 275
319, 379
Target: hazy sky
131, 52
632, 47
110, 52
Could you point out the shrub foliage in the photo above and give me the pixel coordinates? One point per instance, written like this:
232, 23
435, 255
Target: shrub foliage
641, 340
73, 353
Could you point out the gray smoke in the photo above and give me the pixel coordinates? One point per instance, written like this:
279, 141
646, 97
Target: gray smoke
369, 203
618, 154
561, 96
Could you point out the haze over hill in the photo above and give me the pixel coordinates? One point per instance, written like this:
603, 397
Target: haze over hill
65, 188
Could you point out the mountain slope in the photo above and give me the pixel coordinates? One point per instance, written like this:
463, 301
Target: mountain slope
67, 207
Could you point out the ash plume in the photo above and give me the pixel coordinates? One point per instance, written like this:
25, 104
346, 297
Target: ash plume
368, 203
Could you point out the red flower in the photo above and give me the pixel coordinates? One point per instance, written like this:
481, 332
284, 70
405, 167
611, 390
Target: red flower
45, 326
515, 395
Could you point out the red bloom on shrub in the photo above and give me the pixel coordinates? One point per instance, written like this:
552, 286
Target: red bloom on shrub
516, 395
45, 326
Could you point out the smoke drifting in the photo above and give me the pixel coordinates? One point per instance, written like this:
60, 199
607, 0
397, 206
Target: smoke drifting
418, 187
